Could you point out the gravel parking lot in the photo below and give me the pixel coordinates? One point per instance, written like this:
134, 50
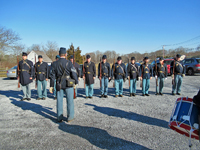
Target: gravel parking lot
128, 123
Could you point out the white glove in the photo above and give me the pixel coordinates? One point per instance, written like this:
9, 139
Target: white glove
79, 79
156, 77
165, 78
75, 86
51, 90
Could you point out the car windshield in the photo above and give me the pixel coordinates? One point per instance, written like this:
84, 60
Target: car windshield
168, 62
198, 60
15, 67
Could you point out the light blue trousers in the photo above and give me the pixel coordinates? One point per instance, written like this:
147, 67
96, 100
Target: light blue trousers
69, 101
145, 86
159, 88
26, 91
89, 90
177, 84
104, 86
118, 86
42, 88
132, 87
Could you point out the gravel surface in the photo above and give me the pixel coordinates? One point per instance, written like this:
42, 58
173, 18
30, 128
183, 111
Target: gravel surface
128, 123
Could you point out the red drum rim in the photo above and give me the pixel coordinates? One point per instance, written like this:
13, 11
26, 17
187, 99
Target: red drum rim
185, 99
184, 129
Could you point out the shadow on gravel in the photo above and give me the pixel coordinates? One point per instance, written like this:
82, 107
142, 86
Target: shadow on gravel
100, 138
130, 115
19, 94
95, 136
36, 108
9, 78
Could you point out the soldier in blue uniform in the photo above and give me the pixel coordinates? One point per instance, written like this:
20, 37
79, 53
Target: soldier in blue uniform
90, 75
146, 73
179, 73
78, 70
133, 74
160, 75
25, 74
105, 76
41, 72
196, 100
54, 65
65, 75
119, 73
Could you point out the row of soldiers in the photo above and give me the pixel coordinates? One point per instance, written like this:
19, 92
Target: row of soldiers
64, 77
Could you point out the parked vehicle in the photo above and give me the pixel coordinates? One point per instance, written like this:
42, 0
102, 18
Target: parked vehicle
12, 72
192, 65
167, 62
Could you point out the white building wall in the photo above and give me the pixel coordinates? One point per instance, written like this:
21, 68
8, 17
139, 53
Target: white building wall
31, 56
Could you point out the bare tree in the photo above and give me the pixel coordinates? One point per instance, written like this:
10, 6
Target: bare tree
51, 49
8, 39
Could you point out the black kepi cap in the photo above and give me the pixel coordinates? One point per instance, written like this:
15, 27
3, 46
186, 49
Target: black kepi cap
145, 58
119, 58
62, 50
88, 56
57, 56
104, 57
132, 58
178, 56
24, 54
39, 56
71, 57
161, 58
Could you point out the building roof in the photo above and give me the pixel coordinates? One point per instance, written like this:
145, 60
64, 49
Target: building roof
45, 57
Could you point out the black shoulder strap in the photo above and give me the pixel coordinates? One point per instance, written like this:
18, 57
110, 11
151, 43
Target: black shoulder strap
64, 70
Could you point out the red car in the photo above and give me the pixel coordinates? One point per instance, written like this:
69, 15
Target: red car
168, 62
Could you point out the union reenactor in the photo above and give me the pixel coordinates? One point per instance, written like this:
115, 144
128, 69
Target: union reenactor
196, 100
66, 78
160, 72
25, 76
104, 75
90, 75
146, 73
178, 70
78, 70
41, 72
133, 74
54, 65
119, 73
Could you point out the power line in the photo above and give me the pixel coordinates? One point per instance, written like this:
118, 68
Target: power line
195, 38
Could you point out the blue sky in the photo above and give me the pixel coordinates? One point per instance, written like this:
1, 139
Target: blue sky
121, 25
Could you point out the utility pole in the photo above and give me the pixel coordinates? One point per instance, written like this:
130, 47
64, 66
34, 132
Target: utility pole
163, 51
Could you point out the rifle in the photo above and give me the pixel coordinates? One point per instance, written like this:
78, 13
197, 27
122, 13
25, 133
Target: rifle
35, 74
83, 72
173, 79
100, 71
75, 68
130, 74
18, 73
141, 76
114, 73
156, 73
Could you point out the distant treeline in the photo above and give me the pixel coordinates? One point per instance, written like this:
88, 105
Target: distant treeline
10, 50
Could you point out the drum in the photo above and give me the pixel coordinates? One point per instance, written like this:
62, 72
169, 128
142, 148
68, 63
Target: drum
184, 118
